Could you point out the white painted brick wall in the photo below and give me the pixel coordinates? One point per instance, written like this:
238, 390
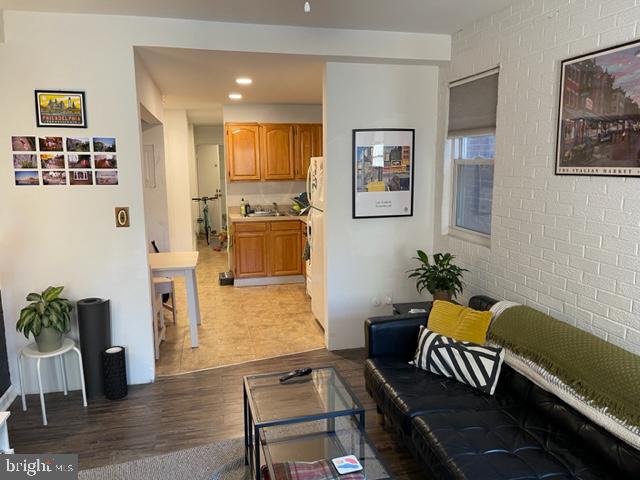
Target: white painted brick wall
566, 245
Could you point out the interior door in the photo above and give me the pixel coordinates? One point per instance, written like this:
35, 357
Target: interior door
208, 160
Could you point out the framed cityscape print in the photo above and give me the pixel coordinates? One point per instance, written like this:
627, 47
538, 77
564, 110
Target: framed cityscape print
60, 109
383, 172
599, 113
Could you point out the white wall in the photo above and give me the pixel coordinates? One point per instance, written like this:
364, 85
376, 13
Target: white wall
155, 198
264, 193
181, 180
149, 95
272, 113
208, 134
564, 245
193, 180
369, 258
66, 235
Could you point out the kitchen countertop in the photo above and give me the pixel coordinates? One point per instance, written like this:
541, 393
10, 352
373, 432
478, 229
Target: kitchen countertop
237, 218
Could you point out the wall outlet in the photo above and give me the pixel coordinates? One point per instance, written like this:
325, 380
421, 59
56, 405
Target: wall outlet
375, 301
388, 298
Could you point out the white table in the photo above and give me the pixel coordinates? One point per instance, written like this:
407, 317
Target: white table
181, 264
31, 351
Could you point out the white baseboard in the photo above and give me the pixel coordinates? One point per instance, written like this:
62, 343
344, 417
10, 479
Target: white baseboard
7, 399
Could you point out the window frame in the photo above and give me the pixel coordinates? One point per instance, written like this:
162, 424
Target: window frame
456, 230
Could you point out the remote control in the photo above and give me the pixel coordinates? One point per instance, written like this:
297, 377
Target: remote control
296, 373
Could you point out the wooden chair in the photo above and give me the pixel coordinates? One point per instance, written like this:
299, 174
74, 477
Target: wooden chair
160, 286
165, 287
164, 290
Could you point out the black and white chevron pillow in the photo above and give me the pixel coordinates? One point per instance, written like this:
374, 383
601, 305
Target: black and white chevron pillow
470, 363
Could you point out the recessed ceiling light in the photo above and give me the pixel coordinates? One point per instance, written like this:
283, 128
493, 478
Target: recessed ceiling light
244, 81
235, 96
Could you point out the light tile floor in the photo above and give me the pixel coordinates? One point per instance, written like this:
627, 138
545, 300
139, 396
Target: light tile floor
238, 324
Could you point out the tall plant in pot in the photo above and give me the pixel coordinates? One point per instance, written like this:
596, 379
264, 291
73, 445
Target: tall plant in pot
46, 318
441, 278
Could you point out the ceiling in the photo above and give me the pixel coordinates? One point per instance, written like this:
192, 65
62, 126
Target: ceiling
201, 80
427, 16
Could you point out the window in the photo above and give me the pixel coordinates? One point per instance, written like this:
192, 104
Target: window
472, 160
471, 150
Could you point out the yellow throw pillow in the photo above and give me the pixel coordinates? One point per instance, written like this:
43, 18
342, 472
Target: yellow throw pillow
462, 323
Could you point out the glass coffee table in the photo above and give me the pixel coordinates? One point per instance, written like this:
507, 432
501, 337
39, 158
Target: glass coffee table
306, 419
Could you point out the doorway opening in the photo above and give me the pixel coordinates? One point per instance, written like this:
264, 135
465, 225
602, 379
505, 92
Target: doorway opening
247, 160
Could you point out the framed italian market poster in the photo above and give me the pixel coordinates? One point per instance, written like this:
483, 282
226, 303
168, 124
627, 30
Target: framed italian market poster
599, 113
60, 109
383, 172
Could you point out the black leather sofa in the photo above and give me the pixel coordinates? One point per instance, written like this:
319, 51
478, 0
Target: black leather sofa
456, 432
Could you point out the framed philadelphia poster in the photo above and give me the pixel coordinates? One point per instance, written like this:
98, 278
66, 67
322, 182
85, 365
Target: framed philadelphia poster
383, 167
599, 113
60, 109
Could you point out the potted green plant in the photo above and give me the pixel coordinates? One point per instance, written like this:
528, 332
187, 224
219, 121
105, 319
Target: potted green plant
46, 317
441, 277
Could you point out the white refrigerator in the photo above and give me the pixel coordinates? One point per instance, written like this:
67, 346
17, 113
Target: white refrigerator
315, 236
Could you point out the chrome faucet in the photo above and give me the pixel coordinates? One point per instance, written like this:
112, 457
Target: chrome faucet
275, 207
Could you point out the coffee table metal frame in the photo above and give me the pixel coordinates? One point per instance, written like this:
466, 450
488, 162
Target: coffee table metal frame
252, 429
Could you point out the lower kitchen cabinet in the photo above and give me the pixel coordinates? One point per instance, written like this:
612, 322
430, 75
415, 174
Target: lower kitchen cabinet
303, 244
284, 249
267, 249
250, 250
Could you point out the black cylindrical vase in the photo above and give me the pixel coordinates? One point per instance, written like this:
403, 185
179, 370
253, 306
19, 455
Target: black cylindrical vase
94, 323
114, 373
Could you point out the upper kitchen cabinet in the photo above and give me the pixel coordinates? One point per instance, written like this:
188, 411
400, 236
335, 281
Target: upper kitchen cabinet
243, 151
276, 149
304, 143
271, 151
317, 140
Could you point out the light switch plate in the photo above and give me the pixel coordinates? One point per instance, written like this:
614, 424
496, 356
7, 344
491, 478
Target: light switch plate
122, 217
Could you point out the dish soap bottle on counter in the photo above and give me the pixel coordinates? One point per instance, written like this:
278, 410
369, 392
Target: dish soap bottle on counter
243, 208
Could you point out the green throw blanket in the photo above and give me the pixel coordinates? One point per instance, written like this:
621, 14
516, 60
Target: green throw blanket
603, 373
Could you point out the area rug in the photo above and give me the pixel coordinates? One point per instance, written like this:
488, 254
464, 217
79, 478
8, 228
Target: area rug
215, 461
225, 460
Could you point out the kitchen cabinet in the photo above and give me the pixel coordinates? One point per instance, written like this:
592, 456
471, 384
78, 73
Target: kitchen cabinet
271, 151
303, 244
250, 250
284, 249
267, 249
276, 150
317, 140
304, 149
243, 151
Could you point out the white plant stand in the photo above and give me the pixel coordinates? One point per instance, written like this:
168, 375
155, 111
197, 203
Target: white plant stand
4, 433
31, 351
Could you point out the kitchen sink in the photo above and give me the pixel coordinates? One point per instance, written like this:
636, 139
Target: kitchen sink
270, 213
264, 213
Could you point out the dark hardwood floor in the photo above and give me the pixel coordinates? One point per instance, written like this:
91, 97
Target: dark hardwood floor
179, 412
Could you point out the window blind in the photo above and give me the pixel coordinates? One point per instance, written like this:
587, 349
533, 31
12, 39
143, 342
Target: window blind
473, 104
